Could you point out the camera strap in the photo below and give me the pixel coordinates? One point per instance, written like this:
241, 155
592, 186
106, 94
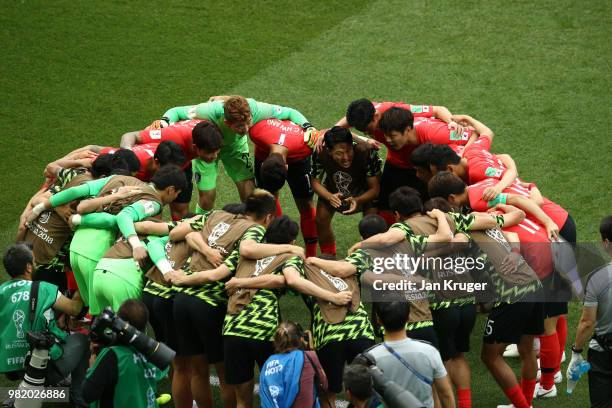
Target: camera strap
33, 300
413, 370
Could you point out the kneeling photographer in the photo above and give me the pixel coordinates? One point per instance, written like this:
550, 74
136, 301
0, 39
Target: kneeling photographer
127, 369
28, 309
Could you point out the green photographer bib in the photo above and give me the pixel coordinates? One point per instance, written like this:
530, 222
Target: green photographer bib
136, 378
15, 321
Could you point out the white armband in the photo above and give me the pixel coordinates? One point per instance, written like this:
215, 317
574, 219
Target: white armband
164, 266
135, 242
38, 209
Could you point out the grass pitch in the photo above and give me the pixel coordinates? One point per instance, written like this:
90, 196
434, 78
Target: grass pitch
75, 73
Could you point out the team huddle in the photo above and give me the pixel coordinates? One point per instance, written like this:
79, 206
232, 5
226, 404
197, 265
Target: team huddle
211, 279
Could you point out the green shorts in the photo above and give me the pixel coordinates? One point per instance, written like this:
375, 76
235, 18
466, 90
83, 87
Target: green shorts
236, 161
83, 269
112, 288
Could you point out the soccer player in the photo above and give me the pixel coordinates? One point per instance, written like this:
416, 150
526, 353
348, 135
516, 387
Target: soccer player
253, 309
201, 140
282, 154
234, 116
501, 328
346, 177
364, 115
142, 200
200, 308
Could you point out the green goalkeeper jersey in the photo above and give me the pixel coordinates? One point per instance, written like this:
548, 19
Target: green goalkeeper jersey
213, 111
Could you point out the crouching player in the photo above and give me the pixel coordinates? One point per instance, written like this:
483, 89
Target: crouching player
346, 177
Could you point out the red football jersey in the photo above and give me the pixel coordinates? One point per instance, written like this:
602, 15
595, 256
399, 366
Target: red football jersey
178, 132
436, 131
281, 132
553, 210
144, 152
400, 158
535, 246
481, 163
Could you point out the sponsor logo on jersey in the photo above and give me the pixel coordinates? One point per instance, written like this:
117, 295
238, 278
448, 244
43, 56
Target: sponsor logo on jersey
149, 207
262, 264
338, 283
155, 134
217, 232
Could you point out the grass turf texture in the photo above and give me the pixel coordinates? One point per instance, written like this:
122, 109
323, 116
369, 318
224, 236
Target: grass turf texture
76, 73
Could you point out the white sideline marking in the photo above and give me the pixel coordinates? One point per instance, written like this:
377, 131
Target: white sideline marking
214, 381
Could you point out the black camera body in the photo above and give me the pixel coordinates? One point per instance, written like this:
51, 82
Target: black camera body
109, 329
393, 395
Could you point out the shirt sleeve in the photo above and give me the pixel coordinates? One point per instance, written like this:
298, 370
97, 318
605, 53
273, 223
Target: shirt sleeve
156, 247
88, 189
463, 222
178, 113
421, 111
374, 164
101, 379
136, 212
100, 220
418, 243
593, 288
439, 371
296, 263
256, 233
318, 170
262, 110
361, 260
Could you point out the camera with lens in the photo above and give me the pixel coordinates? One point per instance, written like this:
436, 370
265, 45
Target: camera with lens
393, 395
109, 329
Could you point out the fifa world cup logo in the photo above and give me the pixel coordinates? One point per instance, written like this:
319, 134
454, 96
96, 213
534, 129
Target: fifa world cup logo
343, 183
19, 319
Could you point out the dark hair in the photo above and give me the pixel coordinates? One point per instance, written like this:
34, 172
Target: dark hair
371, 225
358, 380
260, 203
16, 257
134, 312
207, 136
119, 166
605, 228
445, 183
421, 156
406, 201
282, 230
288, 336
392, 315
234, 208
360, 113
395, 119
102, 166
169, 152
130, 158
438, 203
337, 135
169, 175
273, 173
442, 155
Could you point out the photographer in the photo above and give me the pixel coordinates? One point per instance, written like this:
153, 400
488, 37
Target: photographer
415, 365
596, 321
292, 377
358, 385
121, 376
18, 296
